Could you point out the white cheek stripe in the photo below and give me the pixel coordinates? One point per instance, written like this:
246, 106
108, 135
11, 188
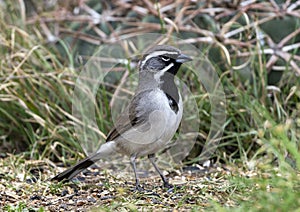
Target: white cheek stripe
155, 54
158, 75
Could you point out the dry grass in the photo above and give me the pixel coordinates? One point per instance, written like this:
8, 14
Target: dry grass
254, 45
25, 185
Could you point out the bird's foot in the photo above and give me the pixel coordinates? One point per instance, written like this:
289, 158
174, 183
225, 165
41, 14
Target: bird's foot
139, 188
169, 186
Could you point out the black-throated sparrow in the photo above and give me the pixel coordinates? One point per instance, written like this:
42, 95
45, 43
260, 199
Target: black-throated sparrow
152, 117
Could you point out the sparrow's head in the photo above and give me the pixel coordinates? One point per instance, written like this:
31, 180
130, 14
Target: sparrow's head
161, 59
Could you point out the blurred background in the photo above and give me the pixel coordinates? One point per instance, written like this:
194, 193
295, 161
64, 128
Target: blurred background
253, 45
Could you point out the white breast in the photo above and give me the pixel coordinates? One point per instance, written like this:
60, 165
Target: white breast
163, 125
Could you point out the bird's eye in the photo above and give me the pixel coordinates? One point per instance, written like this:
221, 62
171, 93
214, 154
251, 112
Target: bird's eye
165, 58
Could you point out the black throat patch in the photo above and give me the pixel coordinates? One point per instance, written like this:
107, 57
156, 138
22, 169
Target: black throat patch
173, 104
170, 89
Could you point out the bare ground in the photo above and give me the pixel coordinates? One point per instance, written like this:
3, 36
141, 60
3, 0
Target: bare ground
24, 184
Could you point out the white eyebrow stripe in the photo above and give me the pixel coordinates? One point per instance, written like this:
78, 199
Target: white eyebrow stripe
161, 72
156, 53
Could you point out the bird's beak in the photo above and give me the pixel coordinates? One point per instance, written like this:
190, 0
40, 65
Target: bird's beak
182, 58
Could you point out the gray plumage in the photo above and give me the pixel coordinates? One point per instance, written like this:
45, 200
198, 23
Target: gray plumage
152, 117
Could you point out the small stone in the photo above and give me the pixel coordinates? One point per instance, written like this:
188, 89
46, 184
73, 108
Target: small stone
91, 199
64, 192
81, 202
31, 180
35, 197
63, 206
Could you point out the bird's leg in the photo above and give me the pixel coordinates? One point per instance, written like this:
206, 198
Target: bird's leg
164, 179
137, 181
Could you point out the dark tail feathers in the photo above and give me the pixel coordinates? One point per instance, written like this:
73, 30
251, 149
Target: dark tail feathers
73, 171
